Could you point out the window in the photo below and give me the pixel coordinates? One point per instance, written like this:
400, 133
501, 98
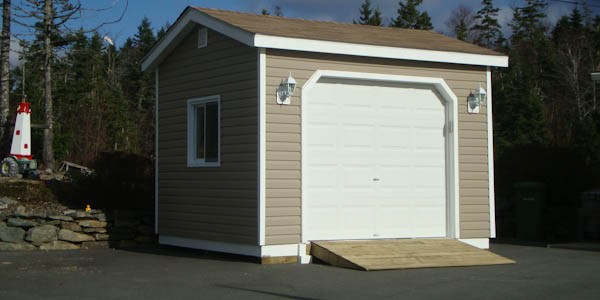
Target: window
202, 38
204, 132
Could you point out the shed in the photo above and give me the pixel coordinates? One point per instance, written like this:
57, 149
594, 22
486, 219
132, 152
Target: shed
387, 135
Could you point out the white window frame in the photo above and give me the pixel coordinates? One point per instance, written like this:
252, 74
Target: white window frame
192, 161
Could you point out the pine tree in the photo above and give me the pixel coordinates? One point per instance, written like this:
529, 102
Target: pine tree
368, 16
460, 23
523, 95
138, 89
527, 20
409, 16
462, 31
488, 29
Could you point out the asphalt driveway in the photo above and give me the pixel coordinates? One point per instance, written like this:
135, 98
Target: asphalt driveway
173, 273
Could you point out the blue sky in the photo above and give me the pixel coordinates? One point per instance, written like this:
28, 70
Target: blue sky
159, 12
162, 11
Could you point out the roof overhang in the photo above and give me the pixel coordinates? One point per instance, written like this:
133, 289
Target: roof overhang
191, 17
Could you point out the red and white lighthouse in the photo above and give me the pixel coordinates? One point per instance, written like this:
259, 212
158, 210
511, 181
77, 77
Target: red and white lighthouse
20, 161
21, 143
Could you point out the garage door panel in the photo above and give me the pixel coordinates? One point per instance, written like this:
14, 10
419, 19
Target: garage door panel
357, 220
387, 146
389, 221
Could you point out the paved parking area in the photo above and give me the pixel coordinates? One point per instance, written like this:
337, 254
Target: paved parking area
172, 273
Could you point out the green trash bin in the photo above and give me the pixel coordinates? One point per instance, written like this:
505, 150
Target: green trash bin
530, 206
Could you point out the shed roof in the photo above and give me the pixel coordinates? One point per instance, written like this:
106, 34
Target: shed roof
327, 37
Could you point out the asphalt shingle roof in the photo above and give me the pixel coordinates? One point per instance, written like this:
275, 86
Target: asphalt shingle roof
345, 33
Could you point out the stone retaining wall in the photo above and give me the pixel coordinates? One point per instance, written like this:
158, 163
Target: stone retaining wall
75, 229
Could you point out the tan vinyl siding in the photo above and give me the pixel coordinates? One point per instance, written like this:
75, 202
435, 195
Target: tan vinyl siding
284, 137
210, 203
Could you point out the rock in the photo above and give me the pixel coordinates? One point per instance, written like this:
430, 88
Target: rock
92, 223
95, 245
69, 213
58, 245
2, 224
41, 235
70, 226
16, 246
11, 234
100, 217
8, 200
94, 230
21, 212
61, 218
102, 237
17, 222
70, 236
51, 222
82, 215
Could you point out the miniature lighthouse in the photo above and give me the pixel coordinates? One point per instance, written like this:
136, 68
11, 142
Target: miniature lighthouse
21, 143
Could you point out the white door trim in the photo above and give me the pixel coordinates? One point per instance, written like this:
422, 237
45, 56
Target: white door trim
490, 145
453, 222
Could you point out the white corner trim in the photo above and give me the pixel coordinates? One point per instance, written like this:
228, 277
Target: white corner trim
262, 144
191, 16
482, 243
490, 145
279, 250
298, 44
156, 82
445, 92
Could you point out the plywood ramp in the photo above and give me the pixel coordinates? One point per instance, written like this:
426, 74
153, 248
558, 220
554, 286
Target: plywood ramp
370, 255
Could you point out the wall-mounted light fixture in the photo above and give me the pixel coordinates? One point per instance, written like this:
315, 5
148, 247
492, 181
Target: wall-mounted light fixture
285, 90
475, 99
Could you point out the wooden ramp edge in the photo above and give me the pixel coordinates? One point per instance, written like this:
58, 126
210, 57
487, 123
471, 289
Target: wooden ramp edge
371, 255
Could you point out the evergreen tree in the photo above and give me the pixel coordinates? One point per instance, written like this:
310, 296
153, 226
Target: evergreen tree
368, 16
462, 31
527, 20
460, 22
524, 89
487, 27
138, 89
409, 16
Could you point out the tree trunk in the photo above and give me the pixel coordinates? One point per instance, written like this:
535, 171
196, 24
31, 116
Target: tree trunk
5, 69
48, 151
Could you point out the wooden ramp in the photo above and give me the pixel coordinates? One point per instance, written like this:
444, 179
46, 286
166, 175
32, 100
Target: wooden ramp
372, 255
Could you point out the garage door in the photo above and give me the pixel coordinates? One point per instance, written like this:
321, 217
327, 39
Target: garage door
374, 161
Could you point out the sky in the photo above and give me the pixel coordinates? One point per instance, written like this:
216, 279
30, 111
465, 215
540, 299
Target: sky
161, 12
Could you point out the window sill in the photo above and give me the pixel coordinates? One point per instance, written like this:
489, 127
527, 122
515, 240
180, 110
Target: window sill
201, 164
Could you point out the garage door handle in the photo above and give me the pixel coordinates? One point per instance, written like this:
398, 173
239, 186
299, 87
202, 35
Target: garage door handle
375, 179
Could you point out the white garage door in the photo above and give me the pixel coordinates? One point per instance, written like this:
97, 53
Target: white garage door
374, 161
